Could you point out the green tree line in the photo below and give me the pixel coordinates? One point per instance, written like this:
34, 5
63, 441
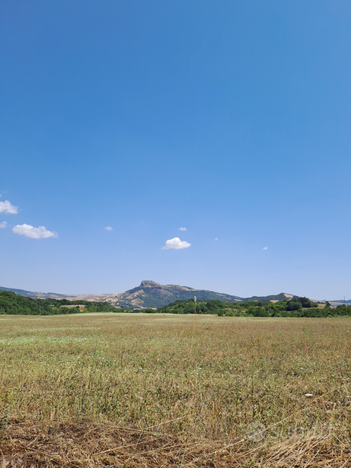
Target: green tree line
297, 307
14, 304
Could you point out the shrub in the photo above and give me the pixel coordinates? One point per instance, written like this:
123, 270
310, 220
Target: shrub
229, 313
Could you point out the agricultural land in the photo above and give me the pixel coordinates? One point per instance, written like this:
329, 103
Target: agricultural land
150, 390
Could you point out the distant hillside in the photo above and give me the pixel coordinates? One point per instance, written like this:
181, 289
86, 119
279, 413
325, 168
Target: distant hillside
340, 302
152, 295
51, 295
16, 304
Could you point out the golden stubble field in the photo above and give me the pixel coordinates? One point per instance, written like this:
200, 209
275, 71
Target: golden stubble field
166, 390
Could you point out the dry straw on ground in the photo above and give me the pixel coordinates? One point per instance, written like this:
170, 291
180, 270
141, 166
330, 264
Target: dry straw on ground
137, 390
83, 444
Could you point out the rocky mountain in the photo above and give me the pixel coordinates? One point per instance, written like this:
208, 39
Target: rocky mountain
151, 294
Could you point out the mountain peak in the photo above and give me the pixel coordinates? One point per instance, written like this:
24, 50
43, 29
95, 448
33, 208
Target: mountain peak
149, 284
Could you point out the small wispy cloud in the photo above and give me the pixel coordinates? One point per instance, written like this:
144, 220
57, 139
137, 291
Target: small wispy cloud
181, 229
6, 207
109, 228
265, 248
216, 239
34, 233
176, 244
3, 225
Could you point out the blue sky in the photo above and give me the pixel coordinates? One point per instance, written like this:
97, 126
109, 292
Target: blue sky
230, 119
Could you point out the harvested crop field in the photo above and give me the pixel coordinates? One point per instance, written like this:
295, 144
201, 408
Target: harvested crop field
158, 390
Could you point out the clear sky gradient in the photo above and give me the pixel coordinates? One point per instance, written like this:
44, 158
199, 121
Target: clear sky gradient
230, 119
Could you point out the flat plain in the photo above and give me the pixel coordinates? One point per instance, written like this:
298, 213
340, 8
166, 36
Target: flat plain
170, 390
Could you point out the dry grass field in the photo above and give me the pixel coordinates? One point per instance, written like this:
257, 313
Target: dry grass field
137, 390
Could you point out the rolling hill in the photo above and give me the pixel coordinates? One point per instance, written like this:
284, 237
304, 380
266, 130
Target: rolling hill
151, 294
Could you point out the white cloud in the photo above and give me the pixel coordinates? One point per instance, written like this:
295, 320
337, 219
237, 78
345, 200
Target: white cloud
3, 225
176, 243
33, 232
265, 248
181, 229
6, 207
216, 239
109, 228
